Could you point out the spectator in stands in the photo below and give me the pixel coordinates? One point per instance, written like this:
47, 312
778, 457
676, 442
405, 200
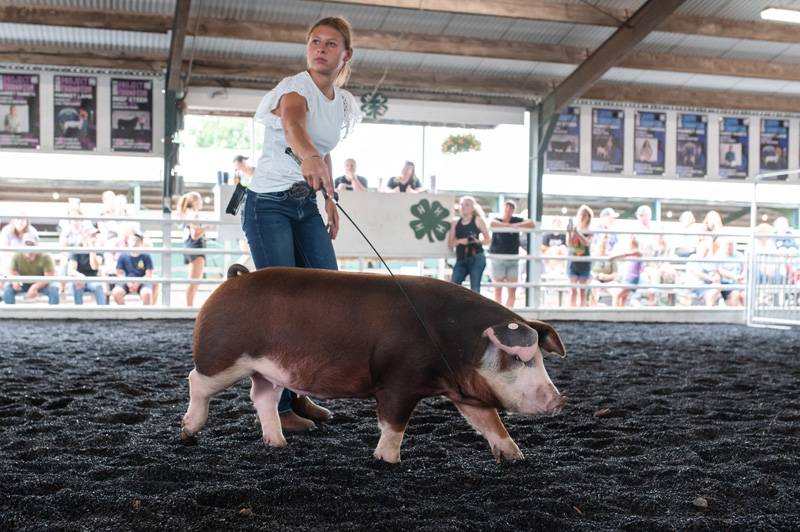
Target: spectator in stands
134, 264
31, 263
467, 235
406, 182
630, 271
731, 272
189, 207
713, 224
506, 270
554, 244
703, 273
242, 171
769, 264
87, 265
580, 241
11, 236
350, 180
604, 270
70, 234
785, 242
684, 245
606, 223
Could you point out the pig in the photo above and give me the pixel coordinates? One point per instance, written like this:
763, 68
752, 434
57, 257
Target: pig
333, 334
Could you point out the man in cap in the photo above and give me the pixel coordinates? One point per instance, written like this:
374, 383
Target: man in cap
134, 264
31, 263
605, 222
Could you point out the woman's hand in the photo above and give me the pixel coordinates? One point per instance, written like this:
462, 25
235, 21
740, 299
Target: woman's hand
316, 174
333, 218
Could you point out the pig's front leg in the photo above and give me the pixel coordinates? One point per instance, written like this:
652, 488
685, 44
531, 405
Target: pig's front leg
265, 396
486, 421
394, 412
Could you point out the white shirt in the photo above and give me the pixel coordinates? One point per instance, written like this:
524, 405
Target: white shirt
327, 121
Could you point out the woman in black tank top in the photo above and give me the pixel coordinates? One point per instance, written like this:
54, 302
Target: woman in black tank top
467, 235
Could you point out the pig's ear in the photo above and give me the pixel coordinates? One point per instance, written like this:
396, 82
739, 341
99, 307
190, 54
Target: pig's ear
549, 340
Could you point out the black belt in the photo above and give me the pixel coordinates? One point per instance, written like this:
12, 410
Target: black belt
299, 190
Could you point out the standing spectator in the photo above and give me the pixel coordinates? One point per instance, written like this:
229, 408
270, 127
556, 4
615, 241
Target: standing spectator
189, 207
87, 265
467, 235
242, 171
631, 271
31, 263
603, 270
554, 244
731, 272
580, 241
350, 180
134, 264
506, 270
407, 182
606, 223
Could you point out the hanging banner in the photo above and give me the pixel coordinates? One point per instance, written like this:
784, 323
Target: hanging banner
131, 115
608, 133
733, 144
563, 150
649, 135
774, 152
19, 111
692, 145
75, 113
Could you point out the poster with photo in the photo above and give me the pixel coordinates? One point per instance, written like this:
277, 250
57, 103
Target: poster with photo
563, 150
649, 135
75, 113
131, 115
692, 145
733, 144
608, 134
774, 151
19, 111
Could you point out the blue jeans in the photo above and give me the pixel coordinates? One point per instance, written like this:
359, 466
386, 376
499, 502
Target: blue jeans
472, 266
9, 294
95, 288
282, 231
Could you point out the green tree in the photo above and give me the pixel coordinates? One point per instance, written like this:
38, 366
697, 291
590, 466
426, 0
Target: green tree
222, 132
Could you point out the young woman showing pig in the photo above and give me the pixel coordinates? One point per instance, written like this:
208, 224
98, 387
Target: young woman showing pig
309, 113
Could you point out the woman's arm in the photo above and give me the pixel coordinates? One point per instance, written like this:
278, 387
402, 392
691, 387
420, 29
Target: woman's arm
330, 206
451, 235
292, 111
484, 230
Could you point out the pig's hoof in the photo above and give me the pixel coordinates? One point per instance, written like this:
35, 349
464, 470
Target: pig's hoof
188, 439
507, 450
390, 457
275, 442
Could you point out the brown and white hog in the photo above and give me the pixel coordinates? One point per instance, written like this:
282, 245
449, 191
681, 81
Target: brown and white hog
331, 334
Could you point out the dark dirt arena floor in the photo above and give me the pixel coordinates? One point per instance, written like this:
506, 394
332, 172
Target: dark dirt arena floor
89, 415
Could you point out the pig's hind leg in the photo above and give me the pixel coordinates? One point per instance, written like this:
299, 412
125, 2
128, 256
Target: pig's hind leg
393, 415
486, 421
201, 389
265, 396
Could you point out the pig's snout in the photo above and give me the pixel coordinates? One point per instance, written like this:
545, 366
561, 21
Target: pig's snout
549, 399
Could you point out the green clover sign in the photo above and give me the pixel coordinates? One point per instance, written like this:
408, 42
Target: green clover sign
431, 220
373, 104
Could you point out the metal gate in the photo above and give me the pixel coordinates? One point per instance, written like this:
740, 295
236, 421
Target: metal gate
774, 294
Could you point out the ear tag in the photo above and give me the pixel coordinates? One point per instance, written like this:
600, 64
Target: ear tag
513, 326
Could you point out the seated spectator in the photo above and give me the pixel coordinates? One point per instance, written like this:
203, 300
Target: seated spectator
70, 234
350, 180
703, 273
87, 265
31, 263
506, 270
630, 271
134, 264
407, 182
713, 224
11, 236
580, 241
554, 244
684, 245
785, 241
731, 272
769, 266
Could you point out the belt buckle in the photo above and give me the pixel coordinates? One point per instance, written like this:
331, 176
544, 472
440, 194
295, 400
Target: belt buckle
299, 190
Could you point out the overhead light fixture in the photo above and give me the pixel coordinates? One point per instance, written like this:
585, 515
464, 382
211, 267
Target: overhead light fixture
781, 15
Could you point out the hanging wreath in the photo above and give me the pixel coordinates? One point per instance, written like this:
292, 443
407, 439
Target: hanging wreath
461, 143
373, 104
